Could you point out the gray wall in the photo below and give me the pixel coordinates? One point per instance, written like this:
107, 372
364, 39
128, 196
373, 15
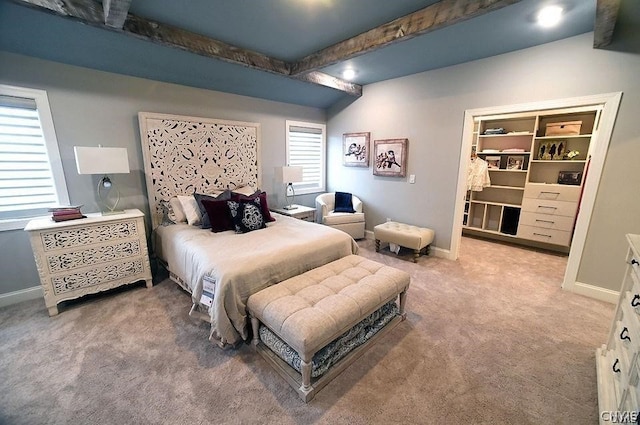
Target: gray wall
428, 109
92, 107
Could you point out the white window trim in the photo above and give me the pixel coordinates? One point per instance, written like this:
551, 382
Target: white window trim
323, 165
51, 141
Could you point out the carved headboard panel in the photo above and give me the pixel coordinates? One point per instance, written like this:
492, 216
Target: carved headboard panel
183, 155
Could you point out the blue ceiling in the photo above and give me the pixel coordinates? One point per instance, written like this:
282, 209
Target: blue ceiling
284, 29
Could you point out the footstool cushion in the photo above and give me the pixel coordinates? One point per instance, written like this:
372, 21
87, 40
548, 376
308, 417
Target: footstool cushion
413, 237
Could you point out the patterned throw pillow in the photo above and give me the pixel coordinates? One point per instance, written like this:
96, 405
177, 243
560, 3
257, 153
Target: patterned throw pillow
246, 215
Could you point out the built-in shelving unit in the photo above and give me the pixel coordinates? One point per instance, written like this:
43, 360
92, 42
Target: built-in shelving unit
527, 198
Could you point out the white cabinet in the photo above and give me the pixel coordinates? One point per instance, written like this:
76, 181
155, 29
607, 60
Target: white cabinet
89, 255
527, 152
617, 362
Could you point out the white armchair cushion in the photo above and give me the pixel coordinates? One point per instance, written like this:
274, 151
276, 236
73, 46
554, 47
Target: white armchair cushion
343, 218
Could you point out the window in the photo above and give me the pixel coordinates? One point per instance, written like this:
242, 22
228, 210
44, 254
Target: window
31, 176
306, 147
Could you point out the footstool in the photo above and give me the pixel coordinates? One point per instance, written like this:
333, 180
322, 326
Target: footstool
413, 237
346, 304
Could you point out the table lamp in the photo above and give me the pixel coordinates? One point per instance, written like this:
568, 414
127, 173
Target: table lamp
290, 175
100, 160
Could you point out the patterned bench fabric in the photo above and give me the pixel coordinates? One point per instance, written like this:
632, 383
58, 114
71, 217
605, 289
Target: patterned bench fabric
338, 348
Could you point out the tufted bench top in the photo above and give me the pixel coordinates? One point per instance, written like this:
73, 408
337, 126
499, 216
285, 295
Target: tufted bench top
310, 310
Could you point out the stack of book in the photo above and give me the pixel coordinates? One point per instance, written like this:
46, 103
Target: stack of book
71, 212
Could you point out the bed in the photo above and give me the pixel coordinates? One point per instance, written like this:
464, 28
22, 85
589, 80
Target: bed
186, 155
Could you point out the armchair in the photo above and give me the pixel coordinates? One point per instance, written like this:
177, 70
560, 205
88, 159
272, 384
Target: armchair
351, 223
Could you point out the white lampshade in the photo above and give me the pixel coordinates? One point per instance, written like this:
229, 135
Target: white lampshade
91, 160
290, 174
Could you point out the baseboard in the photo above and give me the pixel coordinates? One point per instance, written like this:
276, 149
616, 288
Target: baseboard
16, 297
434, 250
596, 292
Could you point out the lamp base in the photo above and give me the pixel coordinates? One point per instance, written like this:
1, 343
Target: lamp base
290, 207
112, 212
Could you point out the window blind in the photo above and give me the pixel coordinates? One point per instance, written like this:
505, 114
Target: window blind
27, 186
306, 149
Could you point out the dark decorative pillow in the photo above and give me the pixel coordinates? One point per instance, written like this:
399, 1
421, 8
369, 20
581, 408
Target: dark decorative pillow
206, 221
219, 215
344, 202
263, 202
246, 215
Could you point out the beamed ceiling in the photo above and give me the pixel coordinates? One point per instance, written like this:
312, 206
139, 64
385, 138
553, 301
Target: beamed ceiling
286, 50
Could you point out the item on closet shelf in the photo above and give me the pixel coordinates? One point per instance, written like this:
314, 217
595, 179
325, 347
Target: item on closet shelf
493, 162
570, 177
517, 133
513, 150
394, 248
515, 162
491, 131
566, 128
478, 175
490, 151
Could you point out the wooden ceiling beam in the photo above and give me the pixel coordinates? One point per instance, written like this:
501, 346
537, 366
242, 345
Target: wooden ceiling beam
115, 12
92, 13
436, 16
606, 17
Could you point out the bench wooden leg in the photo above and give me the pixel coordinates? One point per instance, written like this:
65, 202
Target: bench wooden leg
305, 369
377, 245
403, 300
416, 254
255, 326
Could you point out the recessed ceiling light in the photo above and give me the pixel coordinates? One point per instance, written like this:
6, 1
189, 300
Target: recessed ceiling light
349, 74
549, 16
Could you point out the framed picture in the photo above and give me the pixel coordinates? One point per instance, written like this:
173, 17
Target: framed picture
515, 162
355, 149
493, 162
390, 157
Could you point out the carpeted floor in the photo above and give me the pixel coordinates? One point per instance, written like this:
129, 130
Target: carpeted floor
490, 339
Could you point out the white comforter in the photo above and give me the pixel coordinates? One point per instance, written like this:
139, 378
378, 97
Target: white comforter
243, 264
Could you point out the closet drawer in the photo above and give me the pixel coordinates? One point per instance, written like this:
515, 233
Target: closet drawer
556, 237
541, 206
553, 192
558, 222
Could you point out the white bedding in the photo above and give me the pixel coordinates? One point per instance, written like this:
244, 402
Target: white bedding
243, 264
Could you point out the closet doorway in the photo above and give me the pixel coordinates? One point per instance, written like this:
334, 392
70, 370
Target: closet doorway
542, 191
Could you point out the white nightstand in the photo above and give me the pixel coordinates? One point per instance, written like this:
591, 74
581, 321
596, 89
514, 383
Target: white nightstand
300, 212
89, 255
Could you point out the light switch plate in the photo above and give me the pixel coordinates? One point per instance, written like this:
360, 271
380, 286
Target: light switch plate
412, 178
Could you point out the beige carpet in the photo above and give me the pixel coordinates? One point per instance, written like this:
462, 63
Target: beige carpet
490, 339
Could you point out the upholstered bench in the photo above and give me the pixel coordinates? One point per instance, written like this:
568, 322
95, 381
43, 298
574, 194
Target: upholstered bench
413, 237
304, 325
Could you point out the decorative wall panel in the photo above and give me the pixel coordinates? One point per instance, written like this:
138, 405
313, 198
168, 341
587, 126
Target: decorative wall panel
184, 155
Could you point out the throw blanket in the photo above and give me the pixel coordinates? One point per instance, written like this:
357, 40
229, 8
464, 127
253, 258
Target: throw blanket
243, 264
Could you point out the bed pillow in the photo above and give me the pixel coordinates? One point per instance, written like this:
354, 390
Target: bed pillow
176, 213
206, 221
244, 190
246, 215
219, 215
263, 203
344, 202
190, 209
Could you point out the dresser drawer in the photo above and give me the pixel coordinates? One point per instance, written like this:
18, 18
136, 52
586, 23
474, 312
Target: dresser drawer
555, 192
89, 234
556, 222
541, 206
556, 237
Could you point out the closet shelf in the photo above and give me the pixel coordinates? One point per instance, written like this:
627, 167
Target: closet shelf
569, 136
500, 204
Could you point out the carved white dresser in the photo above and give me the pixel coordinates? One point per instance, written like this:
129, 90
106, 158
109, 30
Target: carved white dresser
89, 255
618, 361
